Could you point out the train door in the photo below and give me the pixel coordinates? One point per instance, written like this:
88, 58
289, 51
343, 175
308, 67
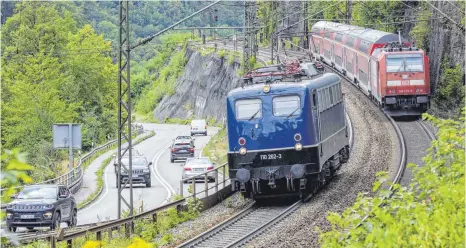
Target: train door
315, 113
356, 65
374, 79
343, 58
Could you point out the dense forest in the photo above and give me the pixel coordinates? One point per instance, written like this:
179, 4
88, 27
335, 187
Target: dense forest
59, 66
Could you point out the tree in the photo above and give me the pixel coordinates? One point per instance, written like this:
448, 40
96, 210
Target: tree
54, 72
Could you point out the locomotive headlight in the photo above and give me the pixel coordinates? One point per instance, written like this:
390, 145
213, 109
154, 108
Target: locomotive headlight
298, 147
242, 151
266, 88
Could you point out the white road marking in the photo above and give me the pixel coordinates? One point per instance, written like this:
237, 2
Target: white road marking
156, 172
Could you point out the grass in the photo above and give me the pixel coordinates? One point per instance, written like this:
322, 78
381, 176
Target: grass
217, 148
100, 172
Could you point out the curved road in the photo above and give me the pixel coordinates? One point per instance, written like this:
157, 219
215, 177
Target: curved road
165, 175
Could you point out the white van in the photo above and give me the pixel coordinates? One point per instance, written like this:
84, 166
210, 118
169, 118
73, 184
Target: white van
198, 127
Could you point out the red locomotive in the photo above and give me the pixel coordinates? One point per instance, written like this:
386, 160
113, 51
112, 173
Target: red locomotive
385, 66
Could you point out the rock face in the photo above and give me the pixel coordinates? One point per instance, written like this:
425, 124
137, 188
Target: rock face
445, 39
201, 90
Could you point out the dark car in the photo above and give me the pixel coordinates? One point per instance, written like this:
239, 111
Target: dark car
41, 205
181, 150
185, 138
141, 171
115, 157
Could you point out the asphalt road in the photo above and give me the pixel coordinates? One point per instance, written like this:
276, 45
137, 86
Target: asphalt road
165, 175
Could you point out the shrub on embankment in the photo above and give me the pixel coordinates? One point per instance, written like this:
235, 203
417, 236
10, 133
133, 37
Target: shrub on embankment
430, 212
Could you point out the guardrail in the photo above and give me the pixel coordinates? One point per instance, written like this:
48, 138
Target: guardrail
73, 179
109, 227
205, 177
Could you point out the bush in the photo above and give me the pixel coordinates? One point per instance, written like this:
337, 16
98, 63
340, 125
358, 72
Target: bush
429, 212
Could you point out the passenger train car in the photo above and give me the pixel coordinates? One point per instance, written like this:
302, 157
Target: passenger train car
286, 138
383, 65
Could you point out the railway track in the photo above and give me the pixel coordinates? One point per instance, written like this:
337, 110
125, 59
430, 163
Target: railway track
244, 226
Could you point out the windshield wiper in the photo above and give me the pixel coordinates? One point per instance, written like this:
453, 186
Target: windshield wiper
254, 115
298, 108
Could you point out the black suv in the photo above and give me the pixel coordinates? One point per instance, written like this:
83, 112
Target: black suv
141, 171
41, 205
181, 149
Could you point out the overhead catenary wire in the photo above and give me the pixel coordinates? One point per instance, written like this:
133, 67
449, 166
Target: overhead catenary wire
461, 27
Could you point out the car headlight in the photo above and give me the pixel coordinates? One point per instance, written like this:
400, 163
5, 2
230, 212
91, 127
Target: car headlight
48, 215
9, 206
48, 206
9, 215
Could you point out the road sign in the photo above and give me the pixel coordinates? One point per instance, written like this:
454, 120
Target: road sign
63, 138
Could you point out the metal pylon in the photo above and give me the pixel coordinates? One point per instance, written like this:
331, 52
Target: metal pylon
249, 45
275, 35
124, 110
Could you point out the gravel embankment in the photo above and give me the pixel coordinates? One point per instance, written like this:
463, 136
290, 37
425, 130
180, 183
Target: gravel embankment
375, 148
208, 219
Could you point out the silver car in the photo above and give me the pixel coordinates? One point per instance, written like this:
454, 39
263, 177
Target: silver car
196, 166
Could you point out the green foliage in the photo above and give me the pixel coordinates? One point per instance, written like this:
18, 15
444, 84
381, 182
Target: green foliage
221, 54
427, 213
231, 59
376, 14
421, 30
165, 82
217, 148
14, 171
449, 96
53, 72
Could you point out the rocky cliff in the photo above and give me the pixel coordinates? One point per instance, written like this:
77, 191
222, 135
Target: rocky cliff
446, 40
201, 89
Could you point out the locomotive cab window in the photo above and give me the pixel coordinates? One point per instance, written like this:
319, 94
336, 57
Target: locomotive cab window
248, 109
286, 106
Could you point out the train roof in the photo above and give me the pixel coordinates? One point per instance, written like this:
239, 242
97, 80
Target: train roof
286, 87
368, 37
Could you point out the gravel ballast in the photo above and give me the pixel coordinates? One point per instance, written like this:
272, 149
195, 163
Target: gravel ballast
375, 148
208, 219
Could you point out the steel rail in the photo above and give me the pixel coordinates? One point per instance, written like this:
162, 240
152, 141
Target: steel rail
241, 223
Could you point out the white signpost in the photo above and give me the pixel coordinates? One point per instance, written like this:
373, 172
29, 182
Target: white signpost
67, 136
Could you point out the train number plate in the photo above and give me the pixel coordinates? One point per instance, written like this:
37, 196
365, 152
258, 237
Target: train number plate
271, 156
27, 216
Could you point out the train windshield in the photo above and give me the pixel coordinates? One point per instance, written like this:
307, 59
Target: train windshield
404, 63
286, 106
248, 109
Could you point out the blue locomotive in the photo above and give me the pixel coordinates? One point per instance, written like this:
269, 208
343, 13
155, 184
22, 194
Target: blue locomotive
286, 138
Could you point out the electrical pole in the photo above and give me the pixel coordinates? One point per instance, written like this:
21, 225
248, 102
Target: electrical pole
124, 109
275, 37
306, 26
348, 11
249, 46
